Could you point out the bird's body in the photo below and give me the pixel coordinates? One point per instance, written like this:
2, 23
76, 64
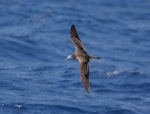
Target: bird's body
82, 56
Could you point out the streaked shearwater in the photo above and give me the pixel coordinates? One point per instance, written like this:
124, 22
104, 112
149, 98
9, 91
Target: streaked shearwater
82, 56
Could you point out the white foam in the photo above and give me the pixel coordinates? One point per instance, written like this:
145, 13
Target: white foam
115, 72
18, 106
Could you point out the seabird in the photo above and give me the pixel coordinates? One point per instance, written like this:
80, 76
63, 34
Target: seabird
82, 56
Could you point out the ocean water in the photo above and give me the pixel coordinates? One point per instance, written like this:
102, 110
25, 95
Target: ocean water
35, 39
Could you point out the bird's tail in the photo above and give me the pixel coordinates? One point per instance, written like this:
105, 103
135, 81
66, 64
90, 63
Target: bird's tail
94, 57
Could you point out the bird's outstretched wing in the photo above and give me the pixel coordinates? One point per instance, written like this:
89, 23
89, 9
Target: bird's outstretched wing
84, 75
79, 48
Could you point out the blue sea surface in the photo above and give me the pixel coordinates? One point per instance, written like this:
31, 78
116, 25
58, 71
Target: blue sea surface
35, 39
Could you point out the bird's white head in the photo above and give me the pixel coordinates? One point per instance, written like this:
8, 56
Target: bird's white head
70, 57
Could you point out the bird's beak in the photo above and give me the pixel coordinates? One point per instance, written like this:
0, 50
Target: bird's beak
66, 58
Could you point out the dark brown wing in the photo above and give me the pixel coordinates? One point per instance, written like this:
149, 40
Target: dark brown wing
84, 75
79, 48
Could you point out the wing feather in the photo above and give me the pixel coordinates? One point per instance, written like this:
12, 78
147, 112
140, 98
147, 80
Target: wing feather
79, 48
84, 75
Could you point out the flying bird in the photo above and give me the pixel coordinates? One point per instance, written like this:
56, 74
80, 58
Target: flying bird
82, 56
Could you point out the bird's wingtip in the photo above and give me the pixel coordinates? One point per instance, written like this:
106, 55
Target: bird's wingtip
73, 26
88, 91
